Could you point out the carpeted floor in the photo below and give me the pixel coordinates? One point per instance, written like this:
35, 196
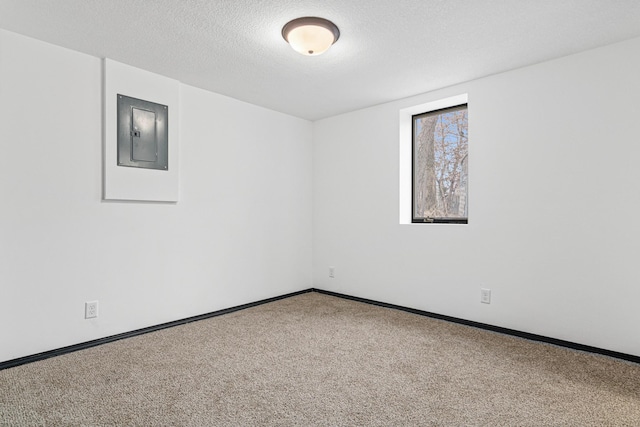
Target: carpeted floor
317, 360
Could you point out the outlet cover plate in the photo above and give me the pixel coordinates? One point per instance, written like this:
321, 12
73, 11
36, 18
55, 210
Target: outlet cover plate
90, 309
485, 296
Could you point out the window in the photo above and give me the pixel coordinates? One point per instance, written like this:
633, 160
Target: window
440, 156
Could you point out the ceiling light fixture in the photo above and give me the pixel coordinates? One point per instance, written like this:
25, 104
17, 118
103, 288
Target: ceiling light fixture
310, 35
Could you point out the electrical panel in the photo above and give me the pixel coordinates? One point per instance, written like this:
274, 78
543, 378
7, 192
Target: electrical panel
143, 137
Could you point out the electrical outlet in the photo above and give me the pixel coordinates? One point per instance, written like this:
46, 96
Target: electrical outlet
485, 296
332, 272
90, 309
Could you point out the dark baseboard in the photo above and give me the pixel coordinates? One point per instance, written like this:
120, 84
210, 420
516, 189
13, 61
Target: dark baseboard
69, 349
513, 332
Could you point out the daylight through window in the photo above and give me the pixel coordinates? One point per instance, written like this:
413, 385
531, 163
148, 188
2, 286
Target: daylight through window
440, 166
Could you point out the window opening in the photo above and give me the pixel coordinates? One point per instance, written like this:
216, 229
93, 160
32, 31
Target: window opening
440, 151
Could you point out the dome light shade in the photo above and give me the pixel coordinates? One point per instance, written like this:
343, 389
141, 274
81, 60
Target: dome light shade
310, 36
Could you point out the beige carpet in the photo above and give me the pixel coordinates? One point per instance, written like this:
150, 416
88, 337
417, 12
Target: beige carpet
317, 360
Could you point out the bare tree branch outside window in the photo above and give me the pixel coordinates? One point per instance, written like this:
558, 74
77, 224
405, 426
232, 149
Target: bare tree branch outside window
440, 165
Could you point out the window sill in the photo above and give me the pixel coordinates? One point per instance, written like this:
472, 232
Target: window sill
440, 221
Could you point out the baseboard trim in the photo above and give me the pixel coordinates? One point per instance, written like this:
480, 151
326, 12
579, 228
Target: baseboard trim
513, 332
533, 337
70, 349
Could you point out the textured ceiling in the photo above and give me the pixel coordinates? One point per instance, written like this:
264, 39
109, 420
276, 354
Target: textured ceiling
388, 49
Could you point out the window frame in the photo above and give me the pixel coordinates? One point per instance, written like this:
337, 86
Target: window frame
431, 220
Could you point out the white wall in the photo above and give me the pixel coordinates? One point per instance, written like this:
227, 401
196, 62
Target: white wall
240, 233
552, 229
553, 197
